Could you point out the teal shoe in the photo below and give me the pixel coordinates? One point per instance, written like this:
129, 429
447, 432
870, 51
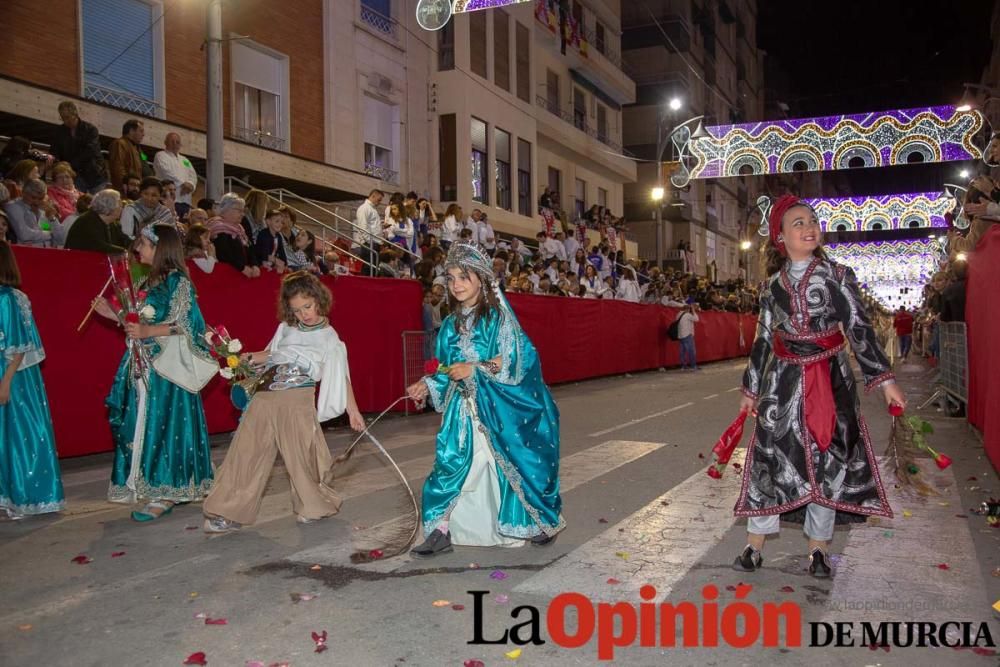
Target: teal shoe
146, 515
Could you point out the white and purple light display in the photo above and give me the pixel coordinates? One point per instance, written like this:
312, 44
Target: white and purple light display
894, 272
882, 212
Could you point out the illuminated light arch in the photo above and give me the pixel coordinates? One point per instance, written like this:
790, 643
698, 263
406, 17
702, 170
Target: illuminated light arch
895, 272
929, 207
841, 224
913, 220
876, 223
755, 160
880, 138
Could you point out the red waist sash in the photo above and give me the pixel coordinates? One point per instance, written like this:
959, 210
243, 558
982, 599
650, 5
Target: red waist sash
820, 411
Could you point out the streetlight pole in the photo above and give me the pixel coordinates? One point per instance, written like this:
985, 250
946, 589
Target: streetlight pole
215, 159
662, 139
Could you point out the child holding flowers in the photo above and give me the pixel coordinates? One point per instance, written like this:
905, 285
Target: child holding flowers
157, 420
29, 472
284, 414
810, 459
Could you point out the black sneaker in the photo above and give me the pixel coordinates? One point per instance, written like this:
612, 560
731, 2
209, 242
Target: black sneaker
436, 543
818, 566
543, 540
749, 560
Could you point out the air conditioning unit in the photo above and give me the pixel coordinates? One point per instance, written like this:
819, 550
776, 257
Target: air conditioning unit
380, 84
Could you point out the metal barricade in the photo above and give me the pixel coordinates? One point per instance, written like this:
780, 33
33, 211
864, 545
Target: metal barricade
954, 364
415, 353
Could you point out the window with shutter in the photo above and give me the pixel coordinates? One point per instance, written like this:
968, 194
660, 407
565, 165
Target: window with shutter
123, 54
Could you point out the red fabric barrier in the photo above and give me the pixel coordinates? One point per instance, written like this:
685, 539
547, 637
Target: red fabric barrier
370, 315
575, 338
583, 338
982, 315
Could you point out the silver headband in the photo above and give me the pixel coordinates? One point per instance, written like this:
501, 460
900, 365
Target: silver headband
148, 232
470, 257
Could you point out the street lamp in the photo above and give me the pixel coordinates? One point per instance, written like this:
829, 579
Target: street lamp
662, 139
964, 173
746, 245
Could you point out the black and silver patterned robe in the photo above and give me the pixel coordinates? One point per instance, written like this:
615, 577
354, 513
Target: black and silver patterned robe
785, 469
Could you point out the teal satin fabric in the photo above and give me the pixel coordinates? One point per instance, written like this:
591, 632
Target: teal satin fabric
518, 418
175, 463
29, 469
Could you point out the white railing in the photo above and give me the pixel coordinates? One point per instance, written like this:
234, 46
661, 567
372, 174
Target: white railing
383, 174
378, 21
120, 99
259, 138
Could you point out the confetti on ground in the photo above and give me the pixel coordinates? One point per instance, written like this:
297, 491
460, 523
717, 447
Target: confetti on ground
216, 621
441, 603
302, 597
622, 554
319, 638
996, 606
473, 566
316, 567
82, 559
503, 599
201, 614
907, 514
614, 582
473, 663
602, 520
193, 594
979, 650
787, 589
24, 627
196, 659
117, 554
499, 575
375, 554
513, 655
458, 607
943, 566
190, 527
887, 533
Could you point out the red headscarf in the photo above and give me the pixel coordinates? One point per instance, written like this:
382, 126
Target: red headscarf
778, 210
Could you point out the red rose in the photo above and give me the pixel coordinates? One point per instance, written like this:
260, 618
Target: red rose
132, 318
431, 366
896, 410
223, 332
115, 304
216, 339
942, 461
141, 295
714, 472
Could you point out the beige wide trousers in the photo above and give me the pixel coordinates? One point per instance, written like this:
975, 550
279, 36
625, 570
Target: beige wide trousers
282, 422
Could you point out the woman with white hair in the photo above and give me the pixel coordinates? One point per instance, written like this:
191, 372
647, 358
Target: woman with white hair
97, 229
231, 237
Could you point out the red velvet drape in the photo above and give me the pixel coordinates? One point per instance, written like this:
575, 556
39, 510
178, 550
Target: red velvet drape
982, 315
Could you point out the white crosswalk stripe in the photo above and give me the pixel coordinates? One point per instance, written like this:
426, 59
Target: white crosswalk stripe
656, 545
575, 470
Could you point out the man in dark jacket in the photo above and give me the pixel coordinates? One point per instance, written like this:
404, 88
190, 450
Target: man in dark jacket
98, 228
953, 297
78, 142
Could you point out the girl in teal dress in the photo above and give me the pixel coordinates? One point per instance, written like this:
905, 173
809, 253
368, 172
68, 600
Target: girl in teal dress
161, 438
495, 480
29, 471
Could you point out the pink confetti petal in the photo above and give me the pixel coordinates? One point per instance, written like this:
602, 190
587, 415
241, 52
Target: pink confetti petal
613, 582
787, 589
201, 614
82, 559
503, 599
196, 659
216, 621
499, 575
979, 650
458, 607
117, 554
473, 663
943, 566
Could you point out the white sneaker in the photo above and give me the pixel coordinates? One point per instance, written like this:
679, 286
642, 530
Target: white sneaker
218, 524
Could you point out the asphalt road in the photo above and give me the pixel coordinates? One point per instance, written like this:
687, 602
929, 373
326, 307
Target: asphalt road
640, 511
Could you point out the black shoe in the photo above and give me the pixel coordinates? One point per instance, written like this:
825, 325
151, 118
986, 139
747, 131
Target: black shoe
543, 540
436, 543
818, 566
749, 560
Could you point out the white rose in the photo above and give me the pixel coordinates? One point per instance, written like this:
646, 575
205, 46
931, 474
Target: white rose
147, 312
235, 346
226, 373
208, 338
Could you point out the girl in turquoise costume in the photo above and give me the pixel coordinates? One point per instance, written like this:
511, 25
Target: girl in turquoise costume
29, 472
495, 480
161, 439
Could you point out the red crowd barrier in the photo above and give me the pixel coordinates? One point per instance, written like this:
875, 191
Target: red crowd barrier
982, 315
575, 338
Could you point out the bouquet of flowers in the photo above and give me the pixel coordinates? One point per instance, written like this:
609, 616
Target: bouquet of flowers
243, 376
726, 445
908, 436
129, 304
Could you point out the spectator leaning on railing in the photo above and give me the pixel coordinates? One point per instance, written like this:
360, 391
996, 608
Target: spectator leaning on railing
27, 215
368, 230
232, 241
147, 209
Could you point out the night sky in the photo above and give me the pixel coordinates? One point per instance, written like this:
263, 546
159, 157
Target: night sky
872, 56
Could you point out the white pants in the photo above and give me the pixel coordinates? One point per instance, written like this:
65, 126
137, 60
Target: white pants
818, 526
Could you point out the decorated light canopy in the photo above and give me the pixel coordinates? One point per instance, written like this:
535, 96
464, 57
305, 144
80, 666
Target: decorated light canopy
882, 212
894, 272
473, 5
876, 139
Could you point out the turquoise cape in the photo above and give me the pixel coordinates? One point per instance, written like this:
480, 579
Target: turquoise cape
29, 470
515, 412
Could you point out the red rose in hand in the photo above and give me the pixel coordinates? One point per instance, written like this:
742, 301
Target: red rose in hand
431, 366
942, 461
132, 318
896, 410
714, 472
115, 304
141, 295
216, 339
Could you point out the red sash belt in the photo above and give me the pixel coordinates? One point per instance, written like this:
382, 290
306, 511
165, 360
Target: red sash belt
820, 411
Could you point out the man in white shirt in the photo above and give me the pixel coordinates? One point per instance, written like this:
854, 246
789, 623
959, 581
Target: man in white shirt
562, 254
685, 336
368, 231
487, 238
27, 216
571, 245
549, 247
171, 166
472, 223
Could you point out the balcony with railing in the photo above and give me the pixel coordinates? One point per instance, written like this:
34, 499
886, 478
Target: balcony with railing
578, 119
121, 100
260, 138
377, 23
383, 174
